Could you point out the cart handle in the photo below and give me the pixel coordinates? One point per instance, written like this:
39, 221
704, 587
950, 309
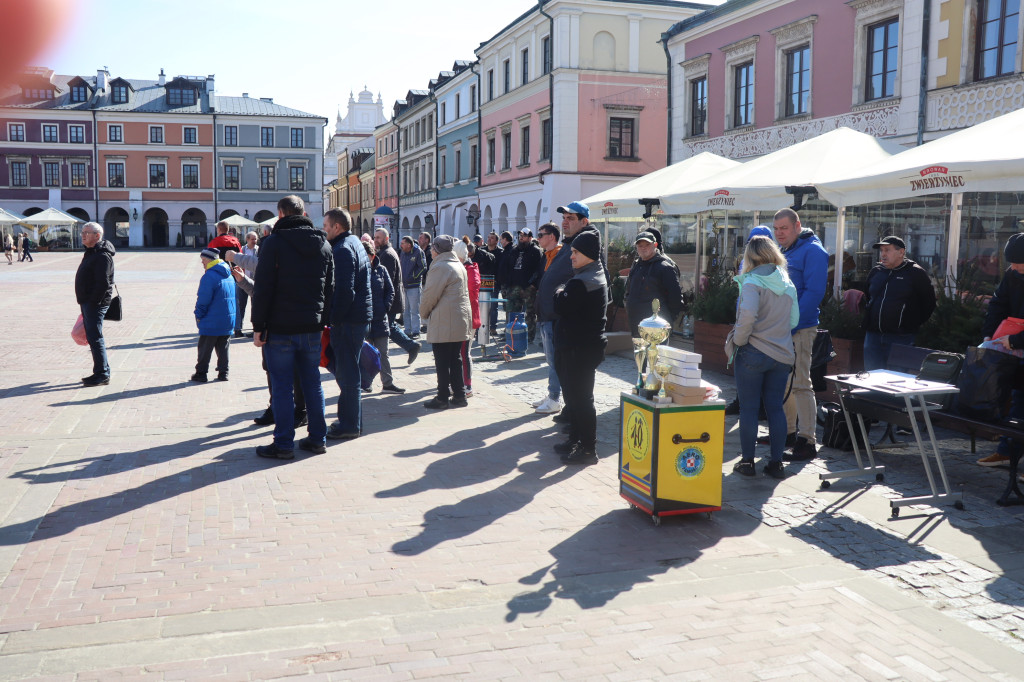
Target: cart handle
704, 438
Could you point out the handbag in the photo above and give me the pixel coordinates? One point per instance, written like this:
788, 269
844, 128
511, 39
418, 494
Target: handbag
1009, 327
836, 433
114, 311
985, 382
369, 364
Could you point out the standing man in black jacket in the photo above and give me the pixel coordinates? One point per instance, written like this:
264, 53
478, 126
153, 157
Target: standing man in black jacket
494, 248
526, 265
901, 298
94, 287
292, 290
652, 276
389, 259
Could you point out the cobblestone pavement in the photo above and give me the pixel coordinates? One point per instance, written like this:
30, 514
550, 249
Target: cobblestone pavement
140, 538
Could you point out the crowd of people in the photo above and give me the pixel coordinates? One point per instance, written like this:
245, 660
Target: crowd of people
20, 245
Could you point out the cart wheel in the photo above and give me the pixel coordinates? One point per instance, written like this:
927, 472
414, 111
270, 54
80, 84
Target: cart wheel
895, 512
825, 485
656, 519
959, 504
632, 506
879, 477
709, 516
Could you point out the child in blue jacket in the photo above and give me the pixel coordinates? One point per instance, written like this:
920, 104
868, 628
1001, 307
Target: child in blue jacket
215, 314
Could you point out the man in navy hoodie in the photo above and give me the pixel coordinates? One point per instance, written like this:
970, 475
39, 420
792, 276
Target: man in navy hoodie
808, 269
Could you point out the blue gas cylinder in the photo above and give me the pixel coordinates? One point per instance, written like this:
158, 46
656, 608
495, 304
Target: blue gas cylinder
516, 335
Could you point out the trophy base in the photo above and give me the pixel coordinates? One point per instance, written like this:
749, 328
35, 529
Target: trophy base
648, 393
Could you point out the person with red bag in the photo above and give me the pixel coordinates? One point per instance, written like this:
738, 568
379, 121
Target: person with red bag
1007, 302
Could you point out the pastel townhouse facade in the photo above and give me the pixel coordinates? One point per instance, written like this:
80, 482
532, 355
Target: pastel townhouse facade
573, 100
386, 175
157, 162
417, 198
362, 220
458, 150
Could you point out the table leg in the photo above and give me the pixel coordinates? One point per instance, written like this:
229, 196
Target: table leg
861, 470
936, 497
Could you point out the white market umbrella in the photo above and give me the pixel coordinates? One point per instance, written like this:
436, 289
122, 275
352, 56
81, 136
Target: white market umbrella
270, 222
238, 221
987, 157
8, 218
761, 183
50, 217
624, 200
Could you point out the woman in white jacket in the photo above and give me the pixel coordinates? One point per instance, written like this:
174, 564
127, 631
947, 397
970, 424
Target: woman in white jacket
444, 303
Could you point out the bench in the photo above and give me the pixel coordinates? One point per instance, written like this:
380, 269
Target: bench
909, 359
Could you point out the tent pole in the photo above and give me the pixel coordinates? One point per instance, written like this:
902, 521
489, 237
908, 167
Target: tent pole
953, 240
699, 253
837, 284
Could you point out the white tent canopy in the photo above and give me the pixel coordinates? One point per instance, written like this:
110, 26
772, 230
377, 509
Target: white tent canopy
987, 157
624, 200
238, 221
761, 183
8, 218
51, 216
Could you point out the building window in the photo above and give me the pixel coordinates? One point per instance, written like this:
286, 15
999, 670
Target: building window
472, 98
79, 93
76, 134
156, 134
458, 165
231, 177
19, 174
525, 70
16, 132
698, 106
115, 133
524, 146
230, 136
996, 40
115, 174
190, 176
49, 133
267, 180
883, 57
119, 94
458, 106
490, 155
179, 97
51, 174
743, 95
157, 175
296, 137
546, 139
296, 178
506, 150
798, 80
189, 135
78, 175
473, 161
545, 54
620, 138
490, 84
443, 166
34, 93
266, 137
443, 116
506, 76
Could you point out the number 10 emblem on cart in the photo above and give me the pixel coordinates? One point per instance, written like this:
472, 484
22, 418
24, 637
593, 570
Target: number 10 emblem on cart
638, 436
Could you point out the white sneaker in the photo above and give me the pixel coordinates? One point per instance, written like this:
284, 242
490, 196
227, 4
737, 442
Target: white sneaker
549, 406
538, 403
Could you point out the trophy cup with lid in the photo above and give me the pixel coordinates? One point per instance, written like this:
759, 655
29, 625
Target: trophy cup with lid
653, 330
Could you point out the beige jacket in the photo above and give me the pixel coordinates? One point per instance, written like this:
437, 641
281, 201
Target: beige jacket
444, 302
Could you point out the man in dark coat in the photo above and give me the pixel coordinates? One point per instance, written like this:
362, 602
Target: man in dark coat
494, 248
652, 276
94, 287
526, 265
389, 259
292, 289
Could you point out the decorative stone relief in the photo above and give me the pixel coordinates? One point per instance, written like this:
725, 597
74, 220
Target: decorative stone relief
965, 105
876, 122
696, 66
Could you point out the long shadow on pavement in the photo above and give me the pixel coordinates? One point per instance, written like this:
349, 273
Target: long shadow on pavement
114, 396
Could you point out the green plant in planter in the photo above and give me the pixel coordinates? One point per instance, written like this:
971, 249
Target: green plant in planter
959, 314
716, 303
619, 291
840, 322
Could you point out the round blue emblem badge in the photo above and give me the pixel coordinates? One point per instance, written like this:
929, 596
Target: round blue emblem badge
690, 463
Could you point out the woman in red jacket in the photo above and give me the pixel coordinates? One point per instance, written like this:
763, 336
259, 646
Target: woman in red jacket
464, 252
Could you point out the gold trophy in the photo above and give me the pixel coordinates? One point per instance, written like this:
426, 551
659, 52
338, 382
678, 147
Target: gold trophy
653, 330
639, 355
662, 369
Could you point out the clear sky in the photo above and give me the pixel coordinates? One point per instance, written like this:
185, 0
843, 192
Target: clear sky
306, 54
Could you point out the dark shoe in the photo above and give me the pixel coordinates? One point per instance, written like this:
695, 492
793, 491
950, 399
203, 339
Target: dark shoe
238, 334
744, 467
566, 447
775, 470
801, 452
308, 445
273, 452
436, 403
414, 353
367, 390
265, 419
581, 455
733, 407
391, 388
301, 419
562, 417
766, 440
96, 381
199, 378
248, 335
458, 402
335, 432
222, 376
414, 336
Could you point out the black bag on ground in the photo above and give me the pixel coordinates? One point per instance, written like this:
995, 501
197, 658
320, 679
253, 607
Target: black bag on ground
836, 433
822, 353
985, 382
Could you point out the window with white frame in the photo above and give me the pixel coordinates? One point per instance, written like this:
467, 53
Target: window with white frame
230, 136
19, 173
51, 174
546, 135
442, 164
190, 135
157, 175
883, 59
231, 176
266, 137
16, 132
506, 76
76, 134
79, 177
545, 55
739, 90
794, 43
50, 133
621, 137
474, 160
296, 178
524, 145
296, 137
115, 133
267, 179
79, 93
876, 58
156, 134
698, 104
996, 38
119, 94
458, 165
506, 148
190, 175
524, 70
115, 174
458, 106
490, 154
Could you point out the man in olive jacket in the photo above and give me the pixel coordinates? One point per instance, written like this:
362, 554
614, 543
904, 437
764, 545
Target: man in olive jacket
94, 288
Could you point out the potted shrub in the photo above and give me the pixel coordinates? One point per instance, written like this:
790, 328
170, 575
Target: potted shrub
714, 312
847, 337
959, 313
618, 321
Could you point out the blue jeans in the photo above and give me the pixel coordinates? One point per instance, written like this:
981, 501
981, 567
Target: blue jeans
877, 345
399, 336
412, 311
286, 355
547, 338
92, 316
760, 377
347, 342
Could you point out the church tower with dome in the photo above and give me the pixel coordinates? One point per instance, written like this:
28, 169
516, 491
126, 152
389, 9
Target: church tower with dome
361, 118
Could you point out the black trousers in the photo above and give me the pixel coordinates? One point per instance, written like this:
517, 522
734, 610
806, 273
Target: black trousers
448, 364
576, 368
208, 344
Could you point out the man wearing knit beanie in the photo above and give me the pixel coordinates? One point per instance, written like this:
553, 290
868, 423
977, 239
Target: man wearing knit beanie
1008, 301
